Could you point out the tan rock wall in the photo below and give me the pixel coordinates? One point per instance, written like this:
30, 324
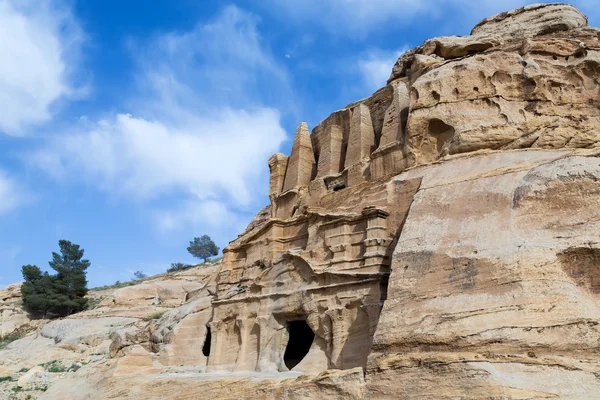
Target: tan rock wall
462, 292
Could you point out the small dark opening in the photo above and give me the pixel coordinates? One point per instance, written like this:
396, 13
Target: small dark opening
442, 132
206, 347
339, 187
301, 338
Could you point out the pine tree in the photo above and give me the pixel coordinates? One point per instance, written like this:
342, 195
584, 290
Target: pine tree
61, 294
70, 283
37, 290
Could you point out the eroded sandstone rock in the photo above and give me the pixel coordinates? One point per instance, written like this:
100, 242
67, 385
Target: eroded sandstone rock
438, 239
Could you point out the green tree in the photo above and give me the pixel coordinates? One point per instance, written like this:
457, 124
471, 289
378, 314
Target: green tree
37, 290
203, 247
70, 283
60, 294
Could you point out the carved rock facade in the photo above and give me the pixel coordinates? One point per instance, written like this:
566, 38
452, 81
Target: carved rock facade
439, 239
340, 201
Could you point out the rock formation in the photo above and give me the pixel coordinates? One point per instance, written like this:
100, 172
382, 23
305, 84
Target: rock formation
438, 239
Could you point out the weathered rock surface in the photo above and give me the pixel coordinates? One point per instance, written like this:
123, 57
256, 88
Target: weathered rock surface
13, 319
122, 320
438, 239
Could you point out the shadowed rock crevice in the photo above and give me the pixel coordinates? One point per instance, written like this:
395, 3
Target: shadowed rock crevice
207, 340
442, 133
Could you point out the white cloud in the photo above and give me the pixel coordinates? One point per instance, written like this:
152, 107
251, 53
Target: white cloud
37, 41
198, 125
375, 67
12, 194
207, 156
359, 17
210, 213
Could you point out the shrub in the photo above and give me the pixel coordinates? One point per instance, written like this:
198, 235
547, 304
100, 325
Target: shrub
178, 267
54, 367
139, 275
154, 316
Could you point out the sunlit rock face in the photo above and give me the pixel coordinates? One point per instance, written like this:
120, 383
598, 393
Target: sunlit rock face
471, 181
439, 239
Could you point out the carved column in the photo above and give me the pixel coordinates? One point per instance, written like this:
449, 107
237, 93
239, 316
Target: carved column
301, 166
269, 354
361, 141
218, 336
330, 157
377, 240
246, 360
337, 242
338, 336
277, 167
389, 158
394, 122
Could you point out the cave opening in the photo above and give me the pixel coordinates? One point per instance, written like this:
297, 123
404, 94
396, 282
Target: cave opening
206, 347
300, 340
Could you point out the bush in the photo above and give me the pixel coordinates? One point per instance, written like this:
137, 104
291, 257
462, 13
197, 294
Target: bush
139, 275
154, 316
55, 367
179, 267
61, 294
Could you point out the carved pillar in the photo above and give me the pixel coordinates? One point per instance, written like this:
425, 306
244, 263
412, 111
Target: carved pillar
330, 157
277, 167
337, 242
301, 166
389, 157
377, 240
246, 360
396, 116
338, 336
269, 354
361, 141
218, 336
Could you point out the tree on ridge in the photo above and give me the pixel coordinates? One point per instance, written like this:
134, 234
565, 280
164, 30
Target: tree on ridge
203, 247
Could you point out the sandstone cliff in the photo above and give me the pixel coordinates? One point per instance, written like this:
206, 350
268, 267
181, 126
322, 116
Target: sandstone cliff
438, 239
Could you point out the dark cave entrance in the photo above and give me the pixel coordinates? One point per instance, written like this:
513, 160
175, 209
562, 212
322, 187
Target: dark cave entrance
301, 338
206, 347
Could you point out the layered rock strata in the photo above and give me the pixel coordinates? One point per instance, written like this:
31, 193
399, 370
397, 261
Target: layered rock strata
438, 239
472, 181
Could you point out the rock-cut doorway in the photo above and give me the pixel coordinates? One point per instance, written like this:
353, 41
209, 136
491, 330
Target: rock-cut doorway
300, 340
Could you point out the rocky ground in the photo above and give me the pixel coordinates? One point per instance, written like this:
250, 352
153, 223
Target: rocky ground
35, 354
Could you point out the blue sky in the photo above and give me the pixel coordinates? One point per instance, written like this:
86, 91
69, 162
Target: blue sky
129, 127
